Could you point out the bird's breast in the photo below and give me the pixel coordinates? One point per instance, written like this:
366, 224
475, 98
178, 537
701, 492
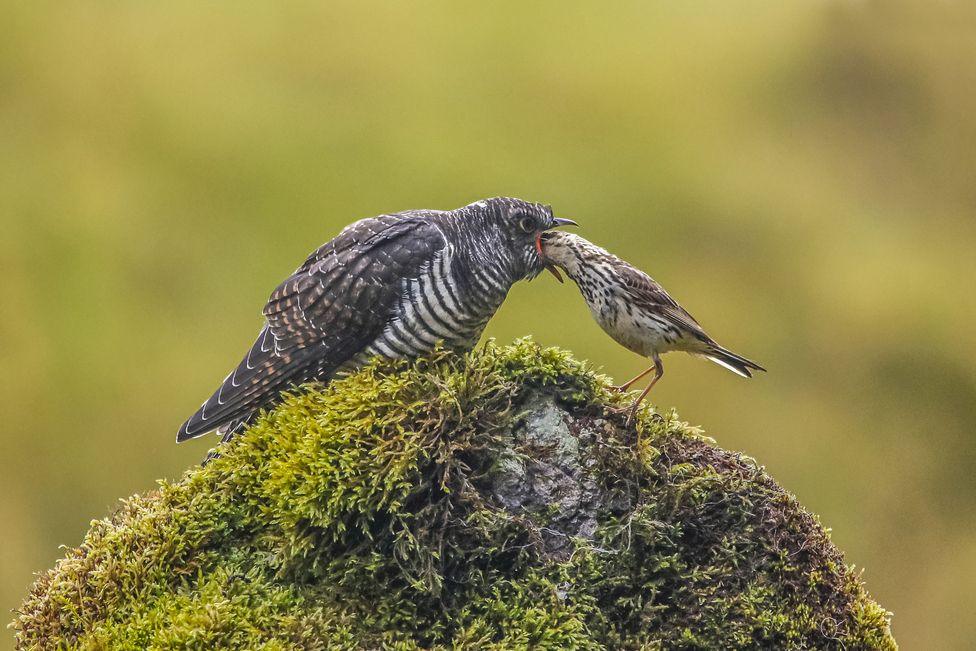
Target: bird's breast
627, 323
439, 306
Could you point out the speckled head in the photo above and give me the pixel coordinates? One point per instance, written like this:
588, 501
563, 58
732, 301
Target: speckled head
570, 252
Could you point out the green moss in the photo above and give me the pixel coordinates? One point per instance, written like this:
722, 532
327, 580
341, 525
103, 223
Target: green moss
361, 515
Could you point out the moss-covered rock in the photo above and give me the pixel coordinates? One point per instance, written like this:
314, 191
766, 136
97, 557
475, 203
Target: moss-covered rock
493, 501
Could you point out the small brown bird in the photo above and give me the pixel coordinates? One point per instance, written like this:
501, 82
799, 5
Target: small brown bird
634, 309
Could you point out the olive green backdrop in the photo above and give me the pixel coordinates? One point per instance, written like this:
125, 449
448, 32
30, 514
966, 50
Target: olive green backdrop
800, 175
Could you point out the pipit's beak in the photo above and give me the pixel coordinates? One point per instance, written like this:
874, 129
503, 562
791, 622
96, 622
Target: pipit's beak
555, 272
551, 268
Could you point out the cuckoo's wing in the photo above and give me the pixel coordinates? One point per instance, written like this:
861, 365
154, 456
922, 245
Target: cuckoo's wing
646, 291
324, 314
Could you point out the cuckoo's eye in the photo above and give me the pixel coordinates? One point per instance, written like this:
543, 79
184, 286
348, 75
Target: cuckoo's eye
528, 223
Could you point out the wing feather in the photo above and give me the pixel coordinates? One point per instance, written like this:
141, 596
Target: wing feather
324, 314
647, 291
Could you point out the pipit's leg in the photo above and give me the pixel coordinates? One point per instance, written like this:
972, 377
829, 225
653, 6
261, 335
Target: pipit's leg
626, 385
658, 373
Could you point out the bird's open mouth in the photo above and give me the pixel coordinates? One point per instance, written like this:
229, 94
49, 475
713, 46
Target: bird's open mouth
551, 268
538, 246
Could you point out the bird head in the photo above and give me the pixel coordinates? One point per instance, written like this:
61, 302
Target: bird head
519, 226
565, 251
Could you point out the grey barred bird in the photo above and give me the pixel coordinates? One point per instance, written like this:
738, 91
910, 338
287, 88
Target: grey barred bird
395, 286
634, 309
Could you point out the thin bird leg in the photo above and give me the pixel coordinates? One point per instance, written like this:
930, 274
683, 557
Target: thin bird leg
659, 372
626, 385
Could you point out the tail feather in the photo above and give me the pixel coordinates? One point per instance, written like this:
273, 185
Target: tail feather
256, 383
733, 362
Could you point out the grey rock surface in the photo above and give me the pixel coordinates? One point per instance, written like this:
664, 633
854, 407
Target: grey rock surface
546, 475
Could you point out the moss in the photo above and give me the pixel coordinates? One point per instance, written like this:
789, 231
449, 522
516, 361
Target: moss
395, 508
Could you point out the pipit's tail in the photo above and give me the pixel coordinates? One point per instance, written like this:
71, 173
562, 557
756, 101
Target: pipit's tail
735, 363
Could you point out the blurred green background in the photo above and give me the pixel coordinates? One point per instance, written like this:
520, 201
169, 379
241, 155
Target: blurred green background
800, 175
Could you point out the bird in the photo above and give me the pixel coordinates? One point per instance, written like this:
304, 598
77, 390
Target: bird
396, 286
634, 309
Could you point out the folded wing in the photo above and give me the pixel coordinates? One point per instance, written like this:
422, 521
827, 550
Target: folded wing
323, 315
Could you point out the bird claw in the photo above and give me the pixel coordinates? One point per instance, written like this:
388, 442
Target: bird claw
630, 410
632, 415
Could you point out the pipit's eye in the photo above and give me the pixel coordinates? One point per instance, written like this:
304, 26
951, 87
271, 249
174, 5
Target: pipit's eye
528, 224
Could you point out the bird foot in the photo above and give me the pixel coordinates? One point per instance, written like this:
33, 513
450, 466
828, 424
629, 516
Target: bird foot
632, 416
630, 410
